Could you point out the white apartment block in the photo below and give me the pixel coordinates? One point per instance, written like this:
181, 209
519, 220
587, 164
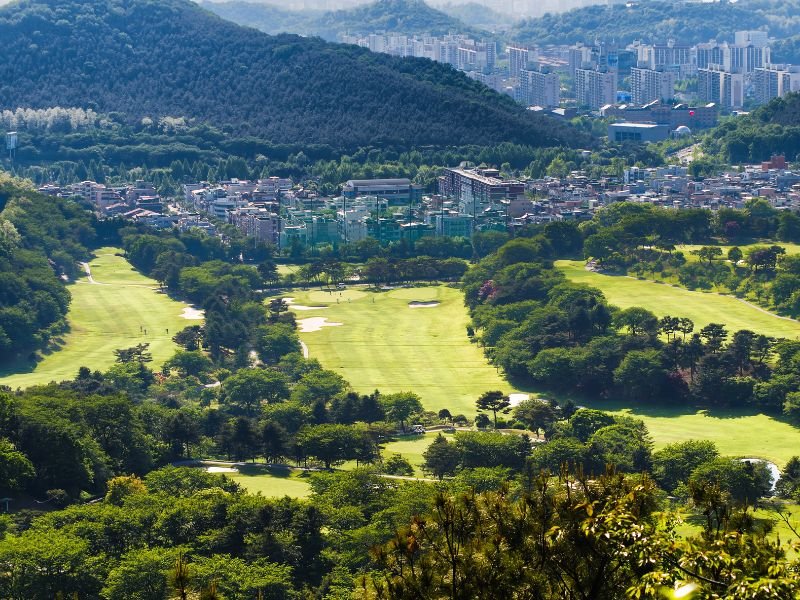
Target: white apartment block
648, 85
539, 89
595, 88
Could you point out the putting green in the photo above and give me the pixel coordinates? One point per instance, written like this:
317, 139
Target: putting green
385, 344
664, 299
113, 313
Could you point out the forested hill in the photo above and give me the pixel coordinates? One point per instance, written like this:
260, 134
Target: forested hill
770, 129
41, 238
410, 17
150, 58
659, 21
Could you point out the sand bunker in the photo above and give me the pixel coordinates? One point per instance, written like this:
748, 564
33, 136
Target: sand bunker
420, 304
222, 470
193, 314
312, 324
517, 399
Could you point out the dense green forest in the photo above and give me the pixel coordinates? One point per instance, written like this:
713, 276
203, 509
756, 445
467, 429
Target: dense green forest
770, 129
40, 241
566, 337
172, 58
657, 22
409, 17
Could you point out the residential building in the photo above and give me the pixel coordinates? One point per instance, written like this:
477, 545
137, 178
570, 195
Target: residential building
538, 88
648, 85
774, 81
715, 84
473, 189
519, 57
595, 88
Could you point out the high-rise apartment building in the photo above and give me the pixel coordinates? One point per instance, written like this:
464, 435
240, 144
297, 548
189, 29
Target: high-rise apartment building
773, 81
595, 88
714, 84
519, 57
537, 88
648, 85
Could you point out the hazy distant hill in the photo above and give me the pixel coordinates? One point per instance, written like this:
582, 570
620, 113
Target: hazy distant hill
402, 16
477, 15
266, 17
658, 21
171, 57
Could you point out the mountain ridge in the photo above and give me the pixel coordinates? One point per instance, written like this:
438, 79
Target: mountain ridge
152, 58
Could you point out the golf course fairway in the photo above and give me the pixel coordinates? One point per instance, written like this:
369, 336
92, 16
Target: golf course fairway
664, 299
405, 339
113, 312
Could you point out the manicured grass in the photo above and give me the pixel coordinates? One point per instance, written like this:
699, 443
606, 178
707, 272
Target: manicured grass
412, 448
105, 317
272, 482
386, 345
735, 432
664, 299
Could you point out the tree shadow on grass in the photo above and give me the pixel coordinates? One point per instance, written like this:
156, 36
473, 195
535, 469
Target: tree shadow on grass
255, 470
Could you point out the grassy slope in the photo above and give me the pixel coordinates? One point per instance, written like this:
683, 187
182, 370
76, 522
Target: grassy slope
664, 299
105, 317
384, 344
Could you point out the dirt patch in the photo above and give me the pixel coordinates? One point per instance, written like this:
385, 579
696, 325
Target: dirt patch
516, 399
192, 314
312, 324
222, 469
421, 304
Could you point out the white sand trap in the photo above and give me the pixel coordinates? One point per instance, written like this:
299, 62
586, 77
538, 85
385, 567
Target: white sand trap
419, 304
222, 470
193, 314
517, 399
312, 324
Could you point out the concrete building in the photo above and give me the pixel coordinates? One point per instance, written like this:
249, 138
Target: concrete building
473, 189
637, 132
648, 85
774, 81
595, 88
715, 84
396, 191
694, 117
519, 57
537, 88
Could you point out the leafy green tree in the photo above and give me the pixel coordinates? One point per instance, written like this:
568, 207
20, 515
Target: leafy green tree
638, 321
674, 463
536, 414
397, 464
191, 363
586, 421
399, 407
494, 401
744, 483
276, 341
140, 575
15, 468
442, 458
248, 388
641, 375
